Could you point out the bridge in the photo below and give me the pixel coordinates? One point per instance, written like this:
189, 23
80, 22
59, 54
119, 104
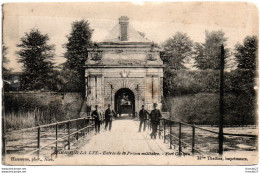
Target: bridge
77, 138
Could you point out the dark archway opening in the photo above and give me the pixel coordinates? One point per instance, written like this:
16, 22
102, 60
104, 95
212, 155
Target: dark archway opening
125, 103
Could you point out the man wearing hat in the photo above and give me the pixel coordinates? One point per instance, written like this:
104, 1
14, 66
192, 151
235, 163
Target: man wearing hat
142, 117
97, 117
108, 117
155, 117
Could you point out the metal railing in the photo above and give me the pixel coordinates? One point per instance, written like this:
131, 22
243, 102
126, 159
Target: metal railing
83, 125
166, 126
86, 125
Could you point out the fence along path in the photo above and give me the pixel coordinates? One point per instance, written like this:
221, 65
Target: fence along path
73, 130
172, 132
124, 137
166, 131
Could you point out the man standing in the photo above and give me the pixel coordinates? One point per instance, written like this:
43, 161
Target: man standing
108, 117
97, 117
142, 117
155, 120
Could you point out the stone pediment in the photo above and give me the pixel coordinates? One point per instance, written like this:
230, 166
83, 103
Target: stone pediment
132, 50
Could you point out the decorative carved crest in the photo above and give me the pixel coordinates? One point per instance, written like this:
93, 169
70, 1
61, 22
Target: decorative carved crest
151, 57
124, 74
96, 55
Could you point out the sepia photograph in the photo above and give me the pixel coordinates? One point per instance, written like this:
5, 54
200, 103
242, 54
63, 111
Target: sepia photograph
129, 83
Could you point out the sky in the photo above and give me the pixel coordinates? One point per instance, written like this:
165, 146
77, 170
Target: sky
159, 21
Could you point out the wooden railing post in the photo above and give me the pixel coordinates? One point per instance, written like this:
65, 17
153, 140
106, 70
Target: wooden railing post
56, 147
68, 135
179, 138
84, 125
193, 139
164, 130
87, 126
93, 125
170, 134
38, 140
77, 124
3, 145
159, 131
3, 134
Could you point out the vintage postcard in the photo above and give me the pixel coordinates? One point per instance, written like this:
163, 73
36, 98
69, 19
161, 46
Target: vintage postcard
121, 83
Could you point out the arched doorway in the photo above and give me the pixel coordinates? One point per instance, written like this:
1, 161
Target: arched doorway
125, 102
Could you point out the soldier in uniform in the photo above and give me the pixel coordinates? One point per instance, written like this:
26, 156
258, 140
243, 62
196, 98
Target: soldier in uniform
142, 117
108, 117
97, 117
155, 120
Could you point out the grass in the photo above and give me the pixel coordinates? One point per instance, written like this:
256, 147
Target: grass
28, 110
20, 120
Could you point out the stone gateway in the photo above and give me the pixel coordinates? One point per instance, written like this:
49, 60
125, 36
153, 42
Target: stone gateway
125, 70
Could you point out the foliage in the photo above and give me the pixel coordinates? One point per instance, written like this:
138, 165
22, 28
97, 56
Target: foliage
192, 90
207, 54
20, 120
246, 54
70, 80
202, 108
241, 82
21, 103
183, 82
54, 82
176, 50
42, 107
79, 40
51, 113
180, 83
240, 109
76, 54
5, 61
37, 59
5, 71
23, 111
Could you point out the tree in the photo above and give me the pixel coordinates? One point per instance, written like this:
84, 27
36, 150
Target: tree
37, 59
246, 54
242, 80
207, 55
76, 54
5, 71
5, 61
176, 50
70, 79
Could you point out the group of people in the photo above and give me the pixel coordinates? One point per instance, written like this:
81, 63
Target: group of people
154, 118
96, 114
